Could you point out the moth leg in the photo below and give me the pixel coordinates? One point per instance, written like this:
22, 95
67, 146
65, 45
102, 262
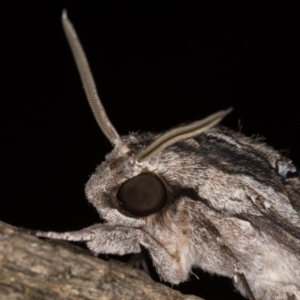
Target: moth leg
83, 235
168, 266
101, 239
109, 239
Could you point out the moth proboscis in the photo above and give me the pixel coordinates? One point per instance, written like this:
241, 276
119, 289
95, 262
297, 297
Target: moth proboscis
198, 195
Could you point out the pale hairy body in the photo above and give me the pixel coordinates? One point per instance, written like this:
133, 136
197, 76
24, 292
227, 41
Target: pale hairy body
201, 217
196, 196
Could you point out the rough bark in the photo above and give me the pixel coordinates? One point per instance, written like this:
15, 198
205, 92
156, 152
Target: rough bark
31, 268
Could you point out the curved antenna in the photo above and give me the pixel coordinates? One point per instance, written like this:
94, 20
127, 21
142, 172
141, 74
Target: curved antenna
183, 132
88, 82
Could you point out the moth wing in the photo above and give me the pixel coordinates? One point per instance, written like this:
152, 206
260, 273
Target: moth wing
285, 228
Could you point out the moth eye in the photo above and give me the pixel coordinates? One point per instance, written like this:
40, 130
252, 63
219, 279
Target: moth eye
143, 194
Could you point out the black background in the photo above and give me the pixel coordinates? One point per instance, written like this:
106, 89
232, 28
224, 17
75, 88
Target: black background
156, 64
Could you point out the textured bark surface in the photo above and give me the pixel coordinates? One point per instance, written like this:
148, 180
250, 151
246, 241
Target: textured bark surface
31, 268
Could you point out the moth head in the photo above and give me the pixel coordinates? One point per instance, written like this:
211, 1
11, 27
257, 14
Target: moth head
128, 181
123, 185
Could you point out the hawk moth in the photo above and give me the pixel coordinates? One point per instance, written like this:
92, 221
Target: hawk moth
198, 195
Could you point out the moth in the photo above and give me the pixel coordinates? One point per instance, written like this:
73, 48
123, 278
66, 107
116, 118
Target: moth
199, 195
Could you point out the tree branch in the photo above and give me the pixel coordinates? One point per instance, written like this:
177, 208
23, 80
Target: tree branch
31, 268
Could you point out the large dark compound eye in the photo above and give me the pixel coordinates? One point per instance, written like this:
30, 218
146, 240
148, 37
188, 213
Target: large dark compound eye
143, 195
